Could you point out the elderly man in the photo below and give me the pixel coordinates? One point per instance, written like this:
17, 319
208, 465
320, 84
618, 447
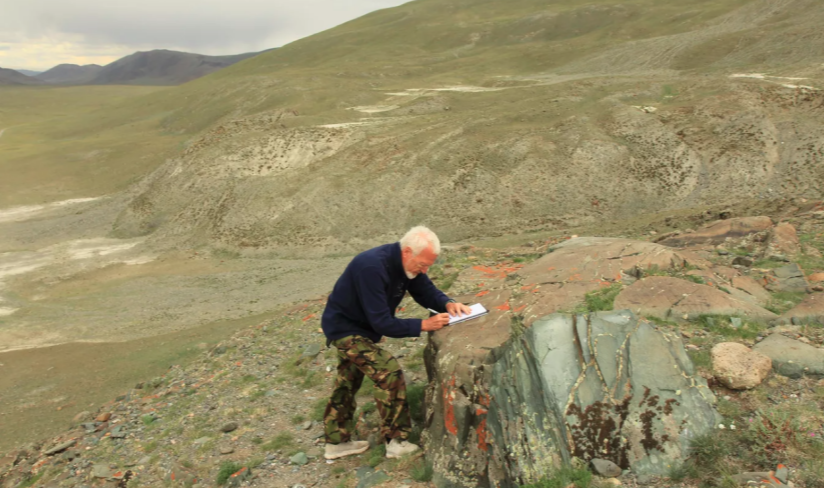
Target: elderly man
360, 310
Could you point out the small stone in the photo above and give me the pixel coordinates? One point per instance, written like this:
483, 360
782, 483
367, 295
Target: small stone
743, 261
101, 471
227, 449
782, 473
144, 461
82, 417
299, 459
687, 334
373, 479
737, 367
605, 468
735, 322
202, 440
309, 353
104, 417
363, 471
118, 432
60, 447
306, 425
220, 350
229, 427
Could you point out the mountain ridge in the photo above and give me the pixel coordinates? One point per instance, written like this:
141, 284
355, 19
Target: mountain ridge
14, 77
70, 73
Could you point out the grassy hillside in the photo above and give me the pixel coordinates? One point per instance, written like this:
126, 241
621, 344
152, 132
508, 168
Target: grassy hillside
539, 141
489, 118
436, 42
77, 141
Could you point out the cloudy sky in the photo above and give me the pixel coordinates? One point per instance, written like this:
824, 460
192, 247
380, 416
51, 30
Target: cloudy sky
39, 34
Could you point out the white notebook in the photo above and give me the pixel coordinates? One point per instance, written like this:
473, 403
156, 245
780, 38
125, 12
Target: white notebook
476, 310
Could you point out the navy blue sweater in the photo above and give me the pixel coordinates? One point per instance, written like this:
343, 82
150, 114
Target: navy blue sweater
365, 297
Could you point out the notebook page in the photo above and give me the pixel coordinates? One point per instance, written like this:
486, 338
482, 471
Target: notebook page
476, 310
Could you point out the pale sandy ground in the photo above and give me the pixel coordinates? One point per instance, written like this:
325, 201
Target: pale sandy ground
87, 288
84, 316
26, 212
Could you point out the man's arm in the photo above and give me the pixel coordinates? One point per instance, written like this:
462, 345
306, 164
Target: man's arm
370, 286
427, 295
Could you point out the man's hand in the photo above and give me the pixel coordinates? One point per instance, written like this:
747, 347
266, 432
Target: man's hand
435, 322
456, 309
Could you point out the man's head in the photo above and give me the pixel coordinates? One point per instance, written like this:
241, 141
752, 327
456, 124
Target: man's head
419, 250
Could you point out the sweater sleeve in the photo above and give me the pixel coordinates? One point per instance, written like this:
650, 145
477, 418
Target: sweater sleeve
371, 292
427, 295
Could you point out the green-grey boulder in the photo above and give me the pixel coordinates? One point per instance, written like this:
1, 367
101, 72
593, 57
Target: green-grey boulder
512, 401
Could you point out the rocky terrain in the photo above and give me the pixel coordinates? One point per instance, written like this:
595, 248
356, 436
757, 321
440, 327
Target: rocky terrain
246, 411
684, 140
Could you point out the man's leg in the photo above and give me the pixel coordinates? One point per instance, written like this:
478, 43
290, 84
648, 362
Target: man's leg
338, 416
390, 393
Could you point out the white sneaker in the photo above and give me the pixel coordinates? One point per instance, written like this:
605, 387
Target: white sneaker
335, 451
397, 448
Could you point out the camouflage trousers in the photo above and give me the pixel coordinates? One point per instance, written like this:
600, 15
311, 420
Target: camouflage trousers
357, 357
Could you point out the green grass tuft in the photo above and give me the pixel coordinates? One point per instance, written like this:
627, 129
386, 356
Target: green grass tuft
783, 301
318, 409
602, 299
580, 478
422, 471
227, 469
377, 454
415, 398
281, 441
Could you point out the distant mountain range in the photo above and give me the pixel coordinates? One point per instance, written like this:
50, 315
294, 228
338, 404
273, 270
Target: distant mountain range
28, 72
70, 74
158, 67
12, 77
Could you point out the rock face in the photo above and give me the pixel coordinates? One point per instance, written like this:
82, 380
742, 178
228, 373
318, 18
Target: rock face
787, 278
737, 367
756, 293
559, 280
717, 232
783, 241
672, 298
783, 350
808, 311
508, 404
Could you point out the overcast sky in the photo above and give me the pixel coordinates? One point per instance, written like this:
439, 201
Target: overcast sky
39, 34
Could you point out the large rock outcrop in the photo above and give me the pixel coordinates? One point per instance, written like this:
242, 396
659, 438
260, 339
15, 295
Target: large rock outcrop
783, 350
508, 403
808, 311
672, 298
559, 280
719, 231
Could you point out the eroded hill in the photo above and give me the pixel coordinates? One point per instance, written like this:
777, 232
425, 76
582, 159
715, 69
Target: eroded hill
525, 118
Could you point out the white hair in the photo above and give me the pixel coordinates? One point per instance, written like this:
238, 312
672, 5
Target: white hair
419, 238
